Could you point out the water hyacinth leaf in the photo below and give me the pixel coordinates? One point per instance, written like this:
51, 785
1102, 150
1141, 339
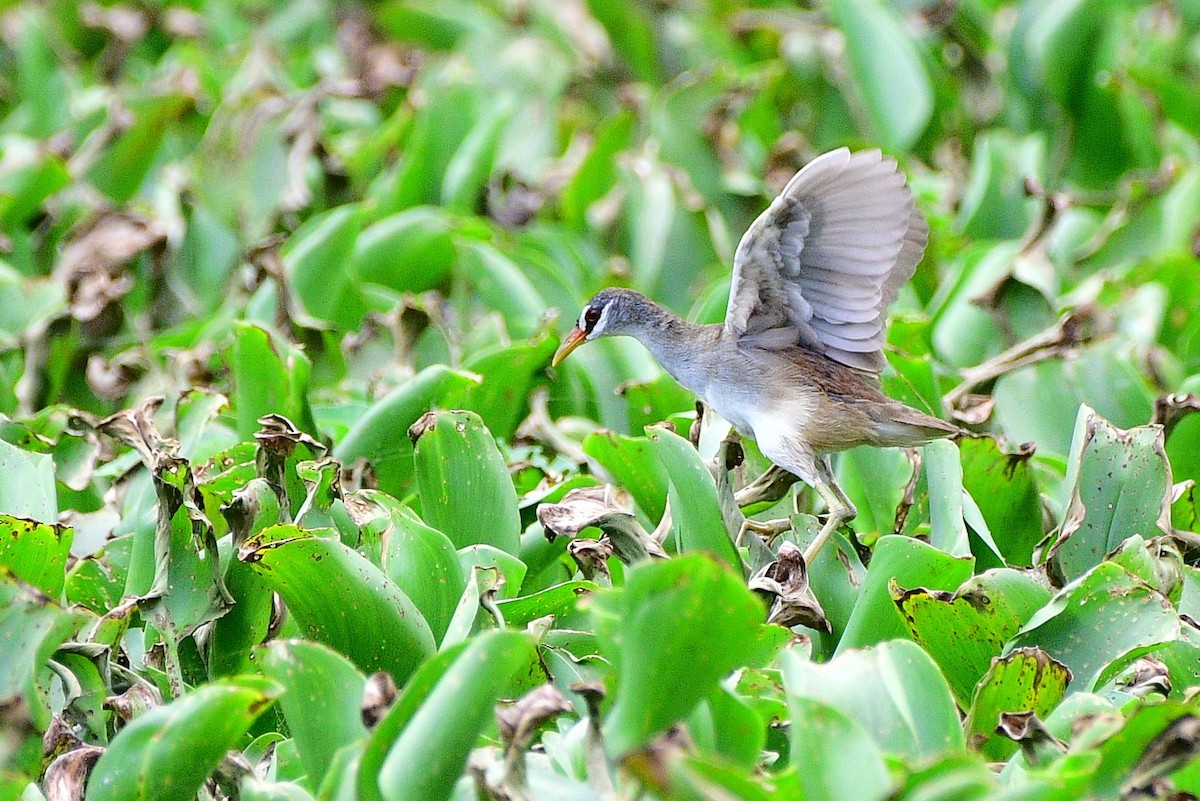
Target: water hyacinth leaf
650, 216
465, 488
255, 789
1040, 403
909, 563
1106, 615
410, 251
270, 376
316, 260
727, 726
507, 373
834, 757
512, 570
27, 487
675, 630
123, 166
429, 754
561, 601
467, 173
965, 630
35, 553
1156, 739
944, 472
1121, 487
378, 435
881, 687
994, 207
169, 751
1005, 490
695, 507
1024, 680
874, 479
342, 600
32, 626
632, 462
503, 287
887, 69
321, 699
423, 562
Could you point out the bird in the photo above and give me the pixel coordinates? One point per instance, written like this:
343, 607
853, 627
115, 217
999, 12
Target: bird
795, 365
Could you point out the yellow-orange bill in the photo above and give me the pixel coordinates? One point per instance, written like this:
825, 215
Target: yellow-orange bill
573, 341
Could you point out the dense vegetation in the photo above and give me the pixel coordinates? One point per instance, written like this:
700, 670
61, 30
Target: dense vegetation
294, 507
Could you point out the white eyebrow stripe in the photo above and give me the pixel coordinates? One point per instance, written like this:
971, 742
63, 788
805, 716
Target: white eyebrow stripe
603, 321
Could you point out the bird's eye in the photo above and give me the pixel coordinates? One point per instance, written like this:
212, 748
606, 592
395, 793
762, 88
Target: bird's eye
591, 316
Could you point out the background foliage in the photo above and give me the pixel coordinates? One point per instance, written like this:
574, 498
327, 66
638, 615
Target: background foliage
247, 246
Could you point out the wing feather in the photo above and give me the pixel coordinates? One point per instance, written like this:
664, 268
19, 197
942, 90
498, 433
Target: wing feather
821, 265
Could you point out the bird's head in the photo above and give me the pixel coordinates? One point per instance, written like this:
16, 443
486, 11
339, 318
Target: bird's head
609, 313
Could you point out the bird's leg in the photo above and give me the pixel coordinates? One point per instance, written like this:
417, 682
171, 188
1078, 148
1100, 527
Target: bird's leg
841, 509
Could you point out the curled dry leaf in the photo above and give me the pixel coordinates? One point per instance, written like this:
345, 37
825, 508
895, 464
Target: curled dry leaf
787, 579
592, 558
607, 509
281, 436
1170, 409
1177, 746
133, 702
520, 720
1028, 731
135, 427
66, 777
93, 263
1147, 676
379, 694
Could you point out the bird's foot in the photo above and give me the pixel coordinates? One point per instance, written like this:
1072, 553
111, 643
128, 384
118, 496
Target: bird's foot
833, 522
768, 529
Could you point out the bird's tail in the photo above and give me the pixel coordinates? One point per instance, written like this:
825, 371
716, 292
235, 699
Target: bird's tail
901, 426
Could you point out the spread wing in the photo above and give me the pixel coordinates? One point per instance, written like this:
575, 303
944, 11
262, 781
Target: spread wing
821, 265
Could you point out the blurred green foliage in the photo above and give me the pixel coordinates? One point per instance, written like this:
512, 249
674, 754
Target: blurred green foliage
279, 287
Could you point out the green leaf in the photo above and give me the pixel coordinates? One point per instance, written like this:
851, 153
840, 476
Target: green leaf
321, 700
697, 524
36, 553
378, 435
420, 560
632, 462
834, 757
944, 472
502, 286
466, 491
561, 600
1040, 403
410, 251
507, 373
342, 600
125, 164
963, 632
169, 751
887, 70
1121, 486
317, 261
673, 632
31, 627
270, 376
511, 568
909, 563
1024, 680
427, 757
882, 688
1106, 615
1004, 488
27, 486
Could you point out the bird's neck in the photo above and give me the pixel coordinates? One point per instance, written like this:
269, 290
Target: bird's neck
678, 345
